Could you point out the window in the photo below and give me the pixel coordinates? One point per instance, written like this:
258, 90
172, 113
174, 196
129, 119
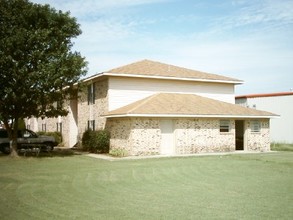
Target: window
255, 126
44, 127
91, 93
91, 125
28, 134
59, 127
224, 126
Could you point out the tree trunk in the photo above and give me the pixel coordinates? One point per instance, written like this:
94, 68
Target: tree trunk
12, 134
13, 149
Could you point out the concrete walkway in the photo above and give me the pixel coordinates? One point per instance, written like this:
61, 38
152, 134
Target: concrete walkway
111, 158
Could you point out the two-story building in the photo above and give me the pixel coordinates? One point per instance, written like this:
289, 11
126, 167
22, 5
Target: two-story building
155, 108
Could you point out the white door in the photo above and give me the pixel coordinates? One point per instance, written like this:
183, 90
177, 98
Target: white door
167, 140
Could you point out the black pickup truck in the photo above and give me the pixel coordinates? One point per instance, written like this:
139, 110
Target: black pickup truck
27, 139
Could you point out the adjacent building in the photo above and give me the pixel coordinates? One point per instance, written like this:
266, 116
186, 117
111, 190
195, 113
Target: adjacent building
280, 103
155, 108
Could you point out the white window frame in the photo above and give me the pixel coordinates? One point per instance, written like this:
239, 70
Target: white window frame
44, 127
224, 126
59, 127
255, 126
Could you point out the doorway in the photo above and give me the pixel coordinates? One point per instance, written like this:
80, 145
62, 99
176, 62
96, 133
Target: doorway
167, 138
239, 127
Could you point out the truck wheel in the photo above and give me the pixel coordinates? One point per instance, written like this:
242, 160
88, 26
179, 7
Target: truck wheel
5, 149
48, 147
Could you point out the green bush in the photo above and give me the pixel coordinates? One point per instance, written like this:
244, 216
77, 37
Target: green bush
118, 152
86, 140
96, 141
56, 134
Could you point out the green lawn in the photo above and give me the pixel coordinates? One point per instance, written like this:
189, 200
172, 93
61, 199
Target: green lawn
281, 146
254, 186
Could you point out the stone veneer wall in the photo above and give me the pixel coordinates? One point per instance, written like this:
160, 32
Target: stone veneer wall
51, 125
35, 124
101, 104
138, 136
142, 136
32, 123
84, 113
258, 141
49, 122
146, 136
88, 112
202, 136
120, 129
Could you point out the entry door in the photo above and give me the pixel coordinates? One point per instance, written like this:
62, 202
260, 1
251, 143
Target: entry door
167, 140
239, 126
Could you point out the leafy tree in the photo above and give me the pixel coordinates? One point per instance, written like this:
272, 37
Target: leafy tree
37, 66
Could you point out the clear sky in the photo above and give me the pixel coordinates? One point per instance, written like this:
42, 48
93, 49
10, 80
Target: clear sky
251, 40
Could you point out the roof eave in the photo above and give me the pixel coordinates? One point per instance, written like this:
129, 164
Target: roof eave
173, 78
189, 116
261, 95
90, 78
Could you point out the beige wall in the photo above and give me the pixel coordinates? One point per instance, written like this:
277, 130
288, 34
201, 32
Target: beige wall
138, 136
203, 136
123, 90
260, 141
94, 111
142, 136
76, 122
82, 111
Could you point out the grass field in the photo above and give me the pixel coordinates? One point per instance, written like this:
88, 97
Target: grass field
244, 186
281, 147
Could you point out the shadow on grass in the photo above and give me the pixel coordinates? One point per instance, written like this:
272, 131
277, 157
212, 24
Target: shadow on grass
57, 152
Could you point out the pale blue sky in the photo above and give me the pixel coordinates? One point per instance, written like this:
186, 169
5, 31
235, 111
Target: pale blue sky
251, 40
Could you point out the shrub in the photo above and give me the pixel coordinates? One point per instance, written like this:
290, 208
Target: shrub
85, 140
118, 152
96, 141
103, 137
56, 134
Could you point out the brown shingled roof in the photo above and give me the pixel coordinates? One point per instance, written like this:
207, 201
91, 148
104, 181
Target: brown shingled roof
156, 69
186, 105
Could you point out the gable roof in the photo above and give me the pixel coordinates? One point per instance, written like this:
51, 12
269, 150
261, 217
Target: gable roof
152, 69
186, 105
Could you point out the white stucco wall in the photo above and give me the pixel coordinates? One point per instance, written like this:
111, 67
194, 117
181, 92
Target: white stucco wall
123, 91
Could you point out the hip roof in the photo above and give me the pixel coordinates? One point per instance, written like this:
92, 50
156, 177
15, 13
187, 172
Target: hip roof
153, 69
186, 105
